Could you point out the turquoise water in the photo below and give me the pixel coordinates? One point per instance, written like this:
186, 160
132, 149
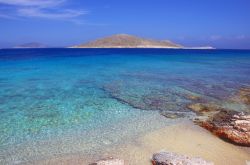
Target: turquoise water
65, 101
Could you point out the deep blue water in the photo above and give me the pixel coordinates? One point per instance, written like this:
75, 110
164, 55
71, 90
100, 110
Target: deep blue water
89, 99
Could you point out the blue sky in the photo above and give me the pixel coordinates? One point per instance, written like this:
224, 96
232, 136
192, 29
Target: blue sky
219, 23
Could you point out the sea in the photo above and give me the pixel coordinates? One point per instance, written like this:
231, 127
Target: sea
56, 102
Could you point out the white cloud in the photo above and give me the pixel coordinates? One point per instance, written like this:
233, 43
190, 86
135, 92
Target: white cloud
48, 9
5, 16
55, 14
40, 3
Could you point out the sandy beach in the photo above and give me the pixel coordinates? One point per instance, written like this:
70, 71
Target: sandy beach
184, 138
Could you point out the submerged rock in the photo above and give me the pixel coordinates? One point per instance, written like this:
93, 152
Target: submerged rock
169, 158
204, 108
109, 161
145, 98
244, 95
229, 125
173, 115
241, 96
198, 107
193, 97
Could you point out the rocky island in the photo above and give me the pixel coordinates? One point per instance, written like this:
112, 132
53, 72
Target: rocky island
127, 41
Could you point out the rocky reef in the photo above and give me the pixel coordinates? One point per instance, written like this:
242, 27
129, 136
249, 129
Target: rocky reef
169, 158
177, 102
168, 102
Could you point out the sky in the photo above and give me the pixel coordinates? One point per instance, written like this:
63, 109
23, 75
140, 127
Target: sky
58, 23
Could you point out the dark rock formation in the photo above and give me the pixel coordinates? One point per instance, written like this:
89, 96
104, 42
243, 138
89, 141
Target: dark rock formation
173, 115
168, 158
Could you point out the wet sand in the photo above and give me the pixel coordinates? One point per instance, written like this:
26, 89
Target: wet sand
184, 138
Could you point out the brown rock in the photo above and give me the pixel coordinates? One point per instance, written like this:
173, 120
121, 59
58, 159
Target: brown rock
173, 115
230, 126
193, 97
201, 108
168, 158
109, 161
244, 95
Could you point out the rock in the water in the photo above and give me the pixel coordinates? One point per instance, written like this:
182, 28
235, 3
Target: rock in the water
168, 158
198, 107
229, 125
244, 95
109, 161
171, 115
204, 108
193, 97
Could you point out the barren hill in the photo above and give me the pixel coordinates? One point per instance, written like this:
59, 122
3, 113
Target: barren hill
127, 41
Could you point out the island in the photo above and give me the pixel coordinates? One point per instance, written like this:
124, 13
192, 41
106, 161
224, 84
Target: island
31, 45
128, 41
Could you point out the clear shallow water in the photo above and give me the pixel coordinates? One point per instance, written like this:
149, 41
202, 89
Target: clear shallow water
64, 101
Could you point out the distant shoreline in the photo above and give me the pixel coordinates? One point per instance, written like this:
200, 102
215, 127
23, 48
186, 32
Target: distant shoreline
120, 41
184, 48
196, 48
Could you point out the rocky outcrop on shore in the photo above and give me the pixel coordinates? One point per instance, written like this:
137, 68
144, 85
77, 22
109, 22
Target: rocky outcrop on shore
169, 158
230, 126
109, 161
